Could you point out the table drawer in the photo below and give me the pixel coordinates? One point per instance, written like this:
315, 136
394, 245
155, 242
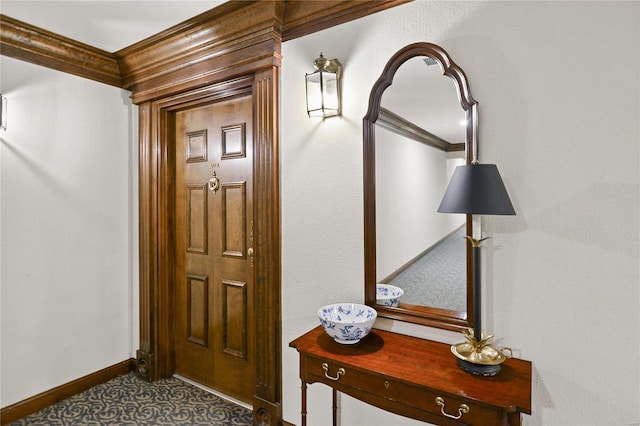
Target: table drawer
451, 409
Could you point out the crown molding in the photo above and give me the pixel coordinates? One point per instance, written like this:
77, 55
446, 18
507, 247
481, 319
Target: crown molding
29, 43
229, 41
235, 26
303, 17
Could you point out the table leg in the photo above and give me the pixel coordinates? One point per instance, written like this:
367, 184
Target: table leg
304, 403
514, 419
335, 407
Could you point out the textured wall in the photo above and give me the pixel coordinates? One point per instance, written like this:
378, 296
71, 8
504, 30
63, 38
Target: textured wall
557, 85
67, 226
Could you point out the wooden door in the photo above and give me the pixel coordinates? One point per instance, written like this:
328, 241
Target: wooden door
214, 314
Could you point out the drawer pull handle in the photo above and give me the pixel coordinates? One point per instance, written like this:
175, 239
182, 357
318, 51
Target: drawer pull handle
325, 367
464, 408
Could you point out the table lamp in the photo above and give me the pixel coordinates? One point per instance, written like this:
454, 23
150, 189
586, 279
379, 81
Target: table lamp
477, 189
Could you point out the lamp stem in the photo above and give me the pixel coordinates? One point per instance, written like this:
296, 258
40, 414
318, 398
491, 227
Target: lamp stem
477, 304
477, 299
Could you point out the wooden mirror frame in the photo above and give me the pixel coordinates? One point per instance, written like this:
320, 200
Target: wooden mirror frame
430, 316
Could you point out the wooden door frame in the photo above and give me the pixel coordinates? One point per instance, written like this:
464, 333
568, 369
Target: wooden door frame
227, 50
155, 359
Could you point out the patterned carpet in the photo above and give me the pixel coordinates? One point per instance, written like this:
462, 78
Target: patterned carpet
439, 277
128, 400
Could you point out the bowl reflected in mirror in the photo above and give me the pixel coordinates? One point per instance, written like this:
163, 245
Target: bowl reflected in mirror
388, 295
347, 323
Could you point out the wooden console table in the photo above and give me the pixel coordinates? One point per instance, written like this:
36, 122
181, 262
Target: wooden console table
413, 377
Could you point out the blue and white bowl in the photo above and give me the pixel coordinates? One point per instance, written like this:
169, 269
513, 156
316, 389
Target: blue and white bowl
347, 323
388, 295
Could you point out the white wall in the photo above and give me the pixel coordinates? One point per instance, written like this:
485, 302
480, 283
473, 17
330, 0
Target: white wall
68, 227
557, 85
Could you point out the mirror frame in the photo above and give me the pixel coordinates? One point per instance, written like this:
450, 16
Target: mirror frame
429, 316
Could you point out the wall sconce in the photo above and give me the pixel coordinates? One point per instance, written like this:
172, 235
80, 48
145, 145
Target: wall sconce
323, 88
477, 189
3, 112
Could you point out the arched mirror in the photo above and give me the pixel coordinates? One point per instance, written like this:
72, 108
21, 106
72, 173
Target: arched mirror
421, 123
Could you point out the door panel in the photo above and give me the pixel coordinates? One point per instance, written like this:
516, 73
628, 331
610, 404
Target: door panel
214, 321
234, 219
235, 318
197, 309
196, 216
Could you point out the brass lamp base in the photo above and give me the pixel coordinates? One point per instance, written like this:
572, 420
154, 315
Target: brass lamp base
479, 369
480, 357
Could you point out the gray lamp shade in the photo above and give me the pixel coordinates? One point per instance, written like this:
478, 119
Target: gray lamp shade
476, 189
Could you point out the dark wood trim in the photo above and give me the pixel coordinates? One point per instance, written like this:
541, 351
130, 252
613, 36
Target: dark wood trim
45, 399
215, 46
32, 44
403, 127
146, 240
303, 17
267, 244
170, 50
426, 316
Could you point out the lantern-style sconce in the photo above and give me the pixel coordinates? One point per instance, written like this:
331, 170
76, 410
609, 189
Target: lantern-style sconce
323, 88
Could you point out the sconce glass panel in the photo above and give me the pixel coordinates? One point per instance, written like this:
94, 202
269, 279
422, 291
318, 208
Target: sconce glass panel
323, 94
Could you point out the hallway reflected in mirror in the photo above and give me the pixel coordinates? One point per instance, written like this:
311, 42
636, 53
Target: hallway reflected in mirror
437, 276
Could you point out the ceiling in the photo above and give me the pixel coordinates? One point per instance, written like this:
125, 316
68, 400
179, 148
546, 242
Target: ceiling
106, 24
